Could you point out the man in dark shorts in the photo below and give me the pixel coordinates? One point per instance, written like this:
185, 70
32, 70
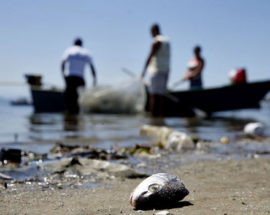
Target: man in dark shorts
73, 63
158, 65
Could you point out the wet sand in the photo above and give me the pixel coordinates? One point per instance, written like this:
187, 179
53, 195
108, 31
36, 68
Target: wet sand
216, 187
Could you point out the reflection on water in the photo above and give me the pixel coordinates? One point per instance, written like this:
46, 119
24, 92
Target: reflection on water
19, 126
106, 130
73, 122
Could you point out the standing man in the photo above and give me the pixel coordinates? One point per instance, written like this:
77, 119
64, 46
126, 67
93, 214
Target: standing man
158, 64
73, 63
194, 71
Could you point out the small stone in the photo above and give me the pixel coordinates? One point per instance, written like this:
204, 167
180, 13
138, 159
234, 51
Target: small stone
224, 140
3, 184
163, 213
141, 165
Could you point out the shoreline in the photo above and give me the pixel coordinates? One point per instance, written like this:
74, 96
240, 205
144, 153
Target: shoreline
216, 187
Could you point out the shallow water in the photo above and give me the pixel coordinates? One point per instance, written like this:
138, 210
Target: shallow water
21, 128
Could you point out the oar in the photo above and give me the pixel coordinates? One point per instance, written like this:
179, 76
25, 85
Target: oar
171, 97
177, 83
129, 73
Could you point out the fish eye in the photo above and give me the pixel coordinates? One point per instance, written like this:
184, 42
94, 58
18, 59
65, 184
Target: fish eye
154, 188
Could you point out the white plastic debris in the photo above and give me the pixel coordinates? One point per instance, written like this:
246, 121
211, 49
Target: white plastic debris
254, 128
169, 138
179, 140
163, 213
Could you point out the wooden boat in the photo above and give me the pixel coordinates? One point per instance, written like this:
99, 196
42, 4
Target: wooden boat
178, 103
47, 100
230, 97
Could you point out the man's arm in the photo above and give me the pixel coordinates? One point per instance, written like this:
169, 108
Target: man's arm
153, 51
198, 69
94, 74
63, 67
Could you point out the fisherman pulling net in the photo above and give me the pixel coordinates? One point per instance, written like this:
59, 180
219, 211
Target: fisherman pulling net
128, 97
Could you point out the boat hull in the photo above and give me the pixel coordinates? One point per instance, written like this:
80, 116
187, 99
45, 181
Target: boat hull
180, 103
231, 97
48, 101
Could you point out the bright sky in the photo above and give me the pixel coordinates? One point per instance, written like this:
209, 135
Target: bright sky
34, 34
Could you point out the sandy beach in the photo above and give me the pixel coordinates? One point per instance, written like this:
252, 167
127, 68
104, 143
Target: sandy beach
216, 187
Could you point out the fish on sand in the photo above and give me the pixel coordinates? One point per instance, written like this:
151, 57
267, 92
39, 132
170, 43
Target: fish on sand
158, 190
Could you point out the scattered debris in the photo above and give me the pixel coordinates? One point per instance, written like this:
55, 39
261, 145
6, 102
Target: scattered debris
141, 165
254, 128
161, 133
4, 176
168, 138
163, 213
224, 140
85, 151
140, 149
84, 167
137, 151
178, 141
10, 155
3, 184
158, 190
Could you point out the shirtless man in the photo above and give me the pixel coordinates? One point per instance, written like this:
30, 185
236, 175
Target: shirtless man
194, 72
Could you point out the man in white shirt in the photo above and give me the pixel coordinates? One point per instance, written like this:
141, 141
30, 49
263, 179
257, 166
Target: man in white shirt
73, 63
158, 65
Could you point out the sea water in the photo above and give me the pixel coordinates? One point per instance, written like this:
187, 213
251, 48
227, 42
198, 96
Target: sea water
21, 127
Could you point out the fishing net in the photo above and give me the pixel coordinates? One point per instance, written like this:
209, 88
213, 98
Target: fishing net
127, 97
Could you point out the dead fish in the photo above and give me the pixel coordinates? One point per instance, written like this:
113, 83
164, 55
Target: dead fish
158, 190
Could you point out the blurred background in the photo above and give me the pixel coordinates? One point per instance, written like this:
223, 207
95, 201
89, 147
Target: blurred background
34, 35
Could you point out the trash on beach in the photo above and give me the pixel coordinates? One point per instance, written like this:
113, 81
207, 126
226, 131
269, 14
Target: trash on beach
139, 151
163, 213
18, 157
161, 133
168, 138
224, 140
128, 97
83, 167
179, 140
157, 191
10, 155
3, 184
134, 150
4, 176
254, 128
61, 150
